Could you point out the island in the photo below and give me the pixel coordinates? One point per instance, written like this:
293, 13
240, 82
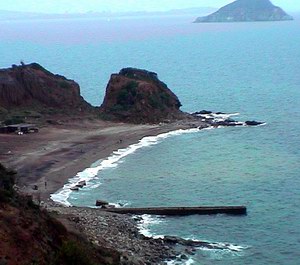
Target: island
246, 11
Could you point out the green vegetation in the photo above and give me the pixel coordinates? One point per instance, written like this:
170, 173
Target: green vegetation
7, 181
23, 221
14, 120
64, 84
73, 253
37, 66
127, 94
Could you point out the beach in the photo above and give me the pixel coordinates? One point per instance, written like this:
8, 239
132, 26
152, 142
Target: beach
46, 160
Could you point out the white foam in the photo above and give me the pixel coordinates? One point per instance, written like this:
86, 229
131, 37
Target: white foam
181, 262
219, 117
144, 225
112, 161
224, 247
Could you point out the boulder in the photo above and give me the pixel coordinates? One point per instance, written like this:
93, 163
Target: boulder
81, 184
253, 123
203, 112
101, 203
228, 123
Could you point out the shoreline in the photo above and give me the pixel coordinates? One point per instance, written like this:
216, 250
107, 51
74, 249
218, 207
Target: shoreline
49, 159
88, 174
46, 161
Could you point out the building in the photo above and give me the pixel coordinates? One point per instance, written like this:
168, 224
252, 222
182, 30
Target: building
19, 128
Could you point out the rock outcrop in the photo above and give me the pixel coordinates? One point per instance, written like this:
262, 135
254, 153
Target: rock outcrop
33, 87
246, 11
138, 96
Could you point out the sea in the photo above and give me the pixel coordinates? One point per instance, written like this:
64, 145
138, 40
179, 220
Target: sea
251, 70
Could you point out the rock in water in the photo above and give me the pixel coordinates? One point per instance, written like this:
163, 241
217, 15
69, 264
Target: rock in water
253, 123
246, 11
138, 96
101, 203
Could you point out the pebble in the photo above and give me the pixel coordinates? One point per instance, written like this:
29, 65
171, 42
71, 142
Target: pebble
119, 232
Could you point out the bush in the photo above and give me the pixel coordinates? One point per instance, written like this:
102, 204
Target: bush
71, 253
64, 84
7, 181
127, 94
14, 120
37, 66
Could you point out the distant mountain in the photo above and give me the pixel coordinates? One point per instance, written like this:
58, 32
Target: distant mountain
12, 15
245, 11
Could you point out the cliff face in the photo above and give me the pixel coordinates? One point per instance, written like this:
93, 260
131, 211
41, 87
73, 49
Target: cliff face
32, 86
138, 96
247, 10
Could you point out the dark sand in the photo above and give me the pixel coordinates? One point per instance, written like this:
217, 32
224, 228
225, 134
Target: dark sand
58, 152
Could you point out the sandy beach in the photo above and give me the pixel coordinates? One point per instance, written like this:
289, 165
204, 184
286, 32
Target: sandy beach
47, 159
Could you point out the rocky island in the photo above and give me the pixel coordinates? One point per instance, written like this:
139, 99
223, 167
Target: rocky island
246, 11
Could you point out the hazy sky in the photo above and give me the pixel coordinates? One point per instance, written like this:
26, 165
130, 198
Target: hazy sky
71, 6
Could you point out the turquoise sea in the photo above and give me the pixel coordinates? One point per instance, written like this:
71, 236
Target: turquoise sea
247, 68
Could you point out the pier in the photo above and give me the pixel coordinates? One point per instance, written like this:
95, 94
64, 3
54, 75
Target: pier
181, 211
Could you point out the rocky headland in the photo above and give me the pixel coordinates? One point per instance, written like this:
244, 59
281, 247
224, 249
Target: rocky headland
138, 96
32, 87
246, 11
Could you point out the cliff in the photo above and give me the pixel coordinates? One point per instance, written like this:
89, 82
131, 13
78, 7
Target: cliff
138, 96
246, 11
33, 87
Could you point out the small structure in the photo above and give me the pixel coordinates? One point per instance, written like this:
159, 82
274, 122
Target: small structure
19, 128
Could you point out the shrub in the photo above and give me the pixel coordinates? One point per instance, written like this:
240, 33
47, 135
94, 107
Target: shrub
14, 120
37, 66
127, 94
71, 253
64, 84
7, 181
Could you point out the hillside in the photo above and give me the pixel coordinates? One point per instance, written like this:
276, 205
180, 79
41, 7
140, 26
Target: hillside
29, 235
246, 11
32, 87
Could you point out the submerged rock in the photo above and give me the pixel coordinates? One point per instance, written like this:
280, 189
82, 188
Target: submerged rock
253, 123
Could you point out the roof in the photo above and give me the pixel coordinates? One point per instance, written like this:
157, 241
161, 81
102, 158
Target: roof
22, 125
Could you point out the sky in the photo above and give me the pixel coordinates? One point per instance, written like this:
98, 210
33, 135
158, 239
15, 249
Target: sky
83, 6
